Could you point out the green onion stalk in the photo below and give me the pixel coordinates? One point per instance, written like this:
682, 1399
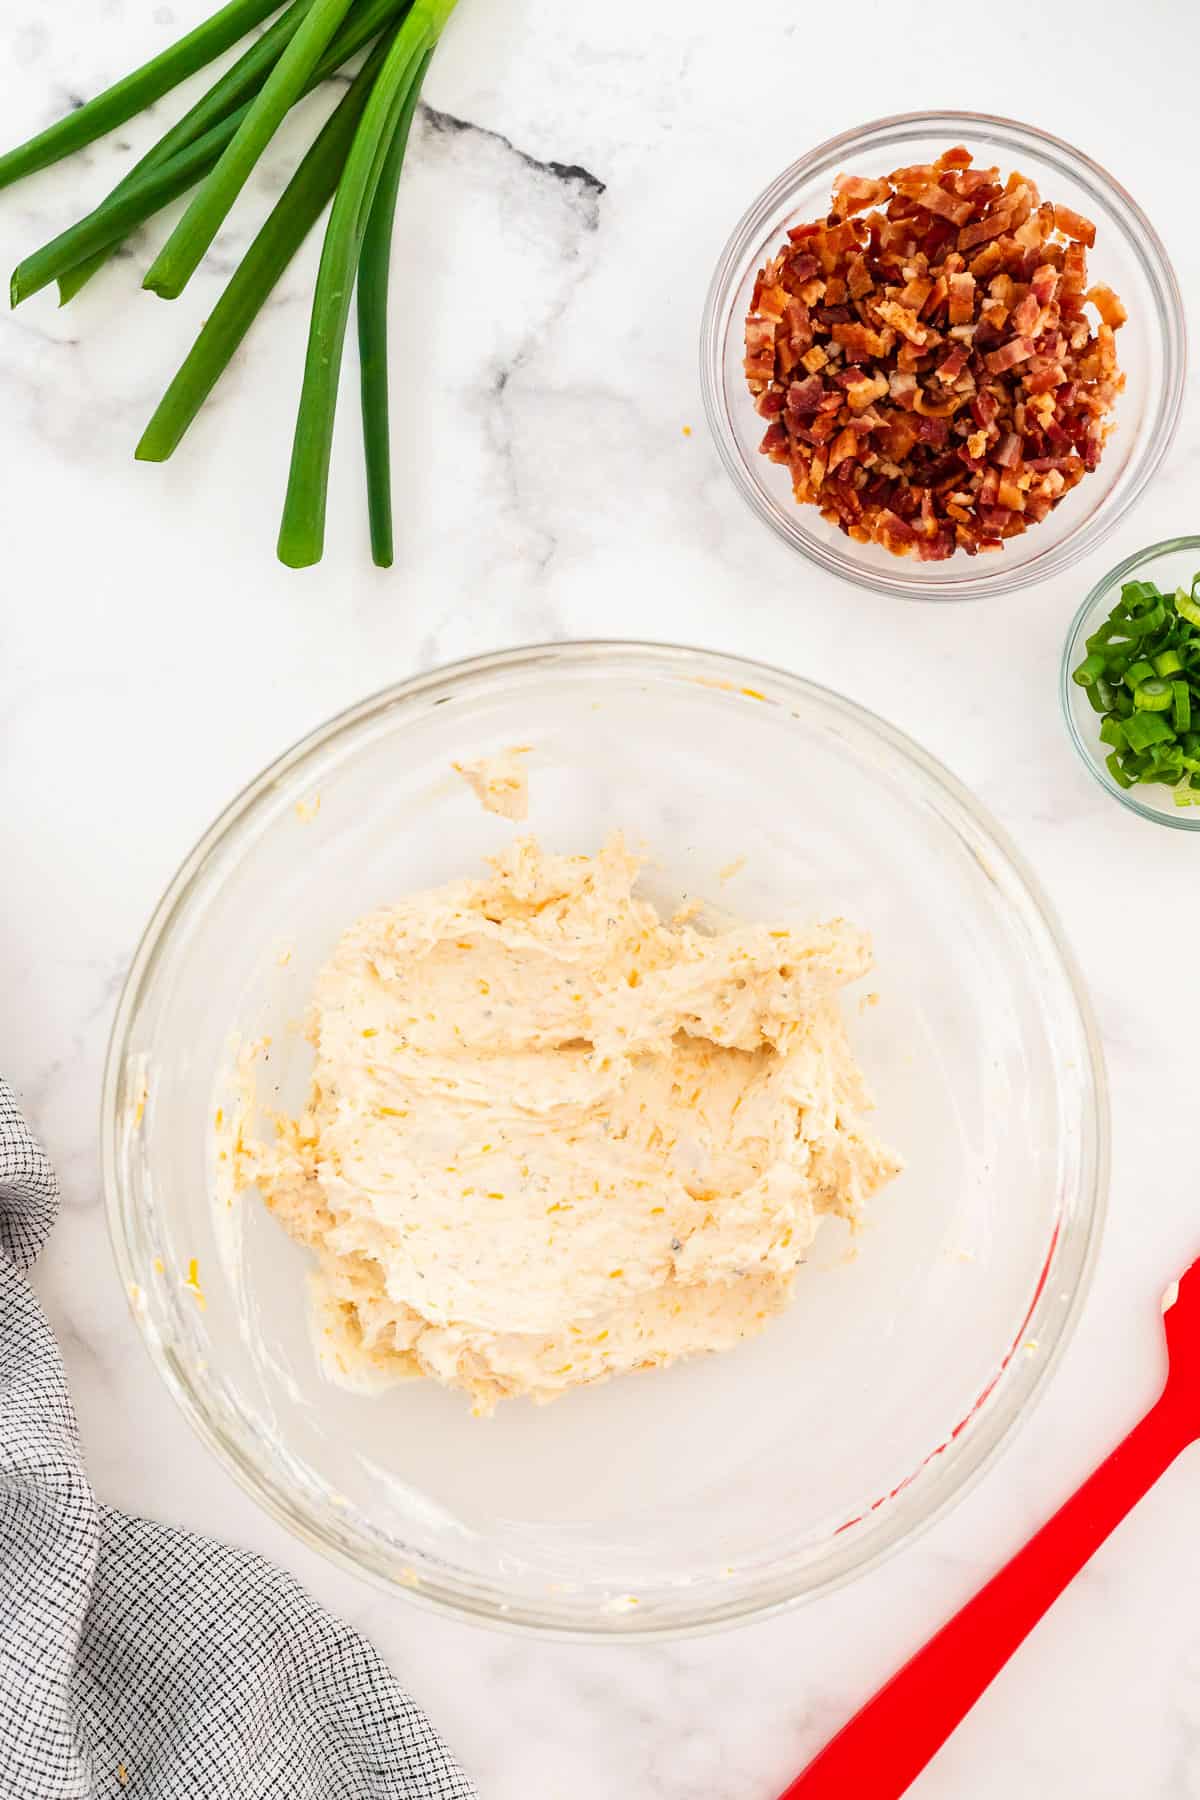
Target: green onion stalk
302, 531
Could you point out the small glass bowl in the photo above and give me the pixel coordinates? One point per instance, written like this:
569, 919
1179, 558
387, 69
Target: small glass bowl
1129, 256
1171, 564
723, 1487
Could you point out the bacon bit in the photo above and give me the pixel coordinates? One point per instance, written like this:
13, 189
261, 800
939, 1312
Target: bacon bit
858, 278
1025, 315
953, 366
859, 342
962, 298
927, 371
935, 199
1008, 451
916, 293
1074, 225
903, 320
863, 393
1016, 350
854, 193
1107, 305
984, 229
805, 396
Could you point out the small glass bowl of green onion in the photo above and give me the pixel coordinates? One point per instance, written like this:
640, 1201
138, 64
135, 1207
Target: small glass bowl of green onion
1130, 682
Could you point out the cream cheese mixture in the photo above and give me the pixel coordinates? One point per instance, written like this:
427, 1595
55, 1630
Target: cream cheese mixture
552, 1137
499, 782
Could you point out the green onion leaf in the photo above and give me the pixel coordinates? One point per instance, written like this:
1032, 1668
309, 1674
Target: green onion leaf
1113, 764
293, 217
237, 84
140, 196
374, 277
302, 532
180, 256
138, 90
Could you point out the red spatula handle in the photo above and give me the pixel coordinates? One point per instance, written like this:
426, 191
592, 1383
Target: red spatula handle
883, 1749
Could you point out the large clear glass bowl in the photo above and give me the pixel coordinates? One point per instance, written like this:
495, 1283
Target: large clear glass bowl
728, 1486
1129, 256
1173, 563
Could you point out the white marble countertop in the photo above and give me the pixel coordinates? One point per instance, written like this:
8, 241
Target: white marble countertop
153, 656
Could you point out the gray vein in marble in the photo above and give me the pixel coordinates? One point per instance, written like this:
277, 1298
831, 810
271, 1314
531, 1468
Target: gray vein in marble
572, 173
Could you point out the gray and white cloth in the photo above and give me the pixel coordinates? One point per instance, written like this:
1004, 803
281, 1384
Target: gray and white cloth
143, 1663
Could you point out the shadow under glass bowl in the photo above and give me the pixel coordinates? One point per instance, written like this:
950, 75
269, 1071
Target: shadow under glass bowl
1173, 563
678, 1499
1128, 255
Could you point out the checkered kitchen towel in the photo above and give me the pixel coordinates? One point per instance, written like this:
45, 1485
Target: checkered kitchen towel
140, 1663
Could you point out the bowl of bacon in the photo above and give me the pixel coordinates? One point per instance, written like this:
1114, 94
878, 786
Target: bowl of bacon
943, 355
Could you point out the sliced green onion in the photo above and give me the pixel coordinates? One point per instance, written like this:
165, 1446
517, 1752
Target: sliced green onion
1153, 695
1168, 662
292, 218
180, 256
1145, 728
138, 90
374, 278
1113, 732
1187, 606
1144, 623
1113, 764
1138, 672
1181, 706
1092, 665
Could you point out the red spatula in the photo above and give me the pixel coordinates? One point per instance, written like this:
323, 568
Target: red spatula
883, 1749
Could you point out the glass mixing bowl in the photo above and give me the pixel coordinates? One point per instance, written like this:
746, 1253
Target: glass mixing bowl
668, 1500
1129, 256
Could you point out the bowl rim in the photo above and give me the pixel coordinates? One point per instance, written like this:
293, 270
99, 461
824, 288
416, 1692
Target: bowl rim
1180, 820
1089, 534
768, 1596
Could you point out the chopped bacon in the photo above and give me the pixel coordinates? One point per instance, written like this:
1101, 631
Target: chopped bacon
1107, 305
953, 365
1025, 315
858, 277
854, 193
859, 343
1044, 283
1008, 451
1016, 350
805, 396
982, 230
962, 298
1074, 225
923, 361
903, 320
935, 199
